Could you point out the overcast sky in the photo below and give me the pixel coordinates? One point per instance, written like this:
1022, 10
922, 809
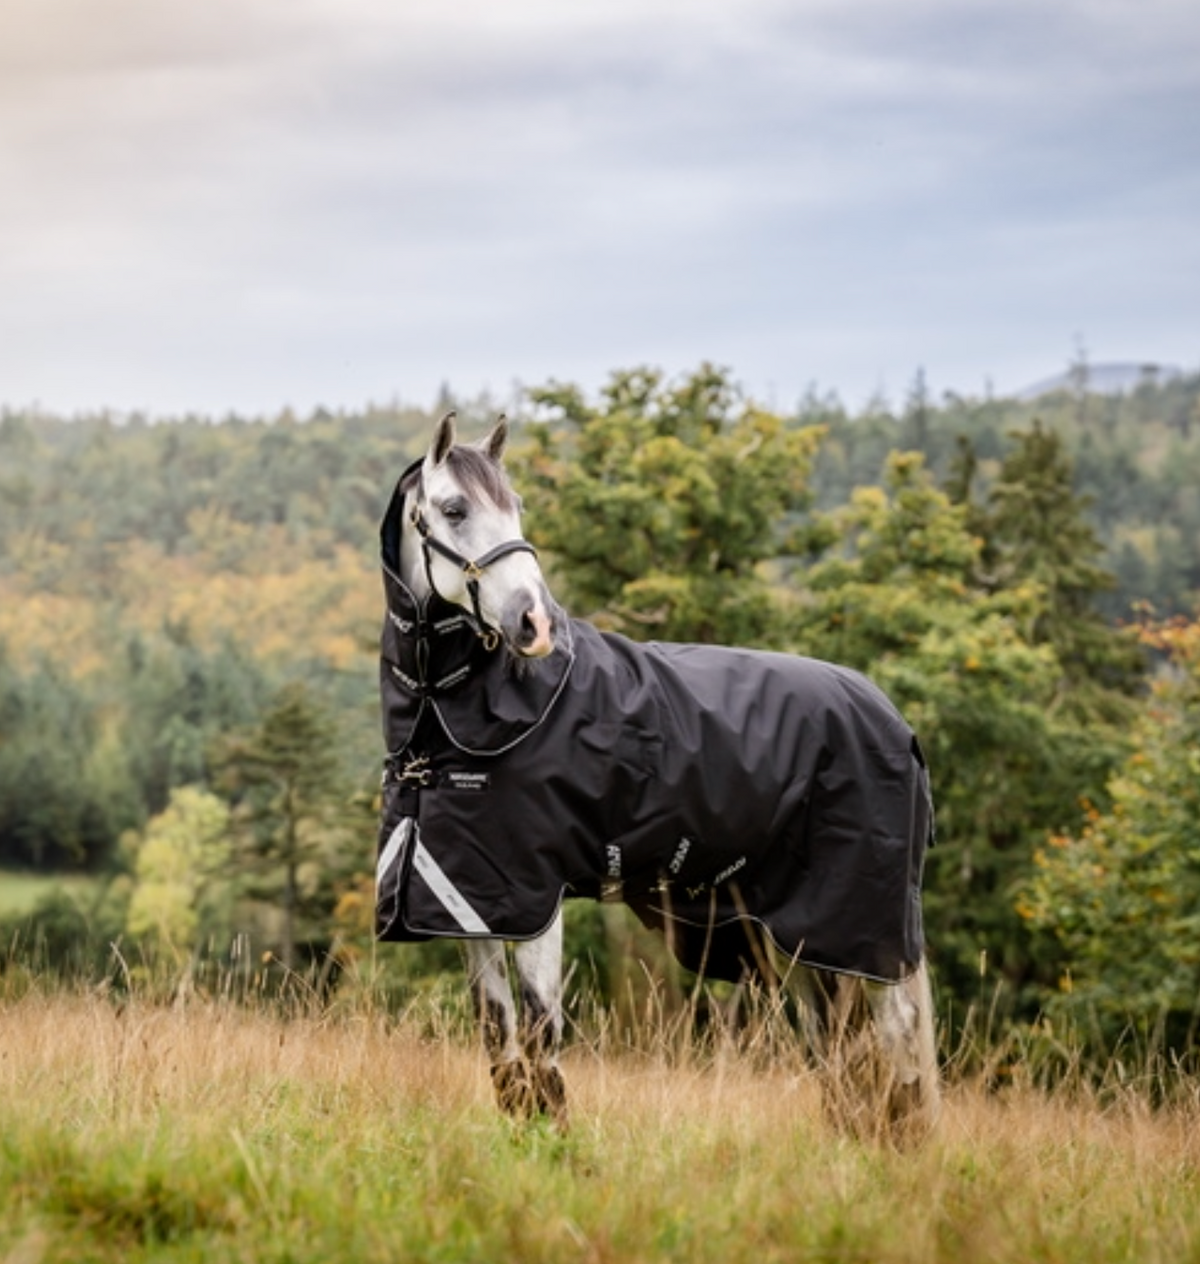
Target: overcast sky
242, 204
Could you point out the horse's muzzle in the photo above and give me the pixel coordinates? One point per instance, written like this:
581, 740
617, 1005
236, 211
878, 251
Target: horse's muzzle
530, 623
537, 636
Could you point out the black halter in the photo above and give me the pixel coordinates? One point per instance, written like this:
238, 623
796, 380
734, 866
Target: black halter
473, 570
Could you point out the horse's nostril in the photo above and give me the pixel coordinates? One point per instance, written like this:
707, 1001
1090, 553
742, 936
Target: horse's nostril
527, 627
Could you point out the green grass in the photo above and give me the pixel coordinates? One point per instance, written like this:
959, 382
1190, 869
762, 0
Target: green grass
20, 892
206, 1132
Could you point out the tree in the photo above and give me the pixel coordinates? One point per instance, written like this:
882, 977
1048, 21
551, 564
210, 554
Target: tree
916, 414
898, 596
663, 510
1036, 529
663, 506
66, 789
287, 790
184, 890
1120, 892
181, 696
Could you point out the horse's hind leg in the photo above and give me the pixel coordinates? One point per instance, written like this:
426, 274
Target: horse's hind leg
875, 1046
539, 969
902, 1020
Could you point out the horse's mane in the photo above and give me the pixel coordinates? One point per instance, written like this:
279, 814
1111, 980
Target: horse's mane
478, 474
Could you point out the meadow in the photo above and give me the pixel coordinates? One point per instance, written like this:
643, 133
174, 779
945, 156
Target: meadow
20, 893
206, 1130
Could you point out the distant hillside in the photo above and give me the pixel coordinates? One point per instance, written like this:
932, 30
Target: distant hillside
1136, 457
1103, 379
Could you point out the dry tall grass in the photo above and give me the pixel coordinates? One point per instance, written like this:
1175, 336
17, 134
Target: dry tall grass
208, 1131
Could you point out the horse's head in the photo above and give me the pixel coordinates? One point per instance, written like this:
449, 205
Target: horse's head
463, 541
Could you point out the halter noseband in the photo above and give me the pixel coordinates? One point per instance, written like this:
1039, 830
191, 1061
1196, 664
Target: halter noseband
473, 570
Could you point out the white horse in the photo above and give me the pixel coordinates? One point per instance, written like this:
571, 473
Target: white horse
461, 543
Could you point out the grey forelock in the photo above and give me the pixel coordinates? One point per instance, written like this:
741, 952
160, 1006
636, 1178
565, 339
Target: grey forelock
480, 475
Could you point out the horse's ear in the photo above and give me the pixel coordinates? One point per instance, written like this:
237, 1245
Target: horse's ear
443, 440
494, 443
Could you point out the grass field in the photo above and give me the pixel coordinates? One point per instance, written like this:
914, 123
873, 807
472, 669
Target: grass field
20, 892
133, 1132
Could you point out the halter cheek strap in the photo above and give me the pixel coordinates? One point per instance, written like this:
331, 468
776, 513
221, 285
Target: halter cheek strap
473, 570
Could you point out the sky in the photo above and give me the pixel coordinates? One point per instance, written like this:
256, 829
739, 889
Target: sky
245, 205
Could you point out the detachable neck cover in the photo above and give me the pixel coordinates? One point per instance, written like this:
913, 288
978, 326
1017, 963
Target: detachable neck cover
433, 658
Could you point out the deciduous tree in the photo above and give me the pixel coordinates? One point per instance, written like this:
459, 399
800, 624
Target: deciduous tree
898, 596
1120, 890
662, 506
184, 884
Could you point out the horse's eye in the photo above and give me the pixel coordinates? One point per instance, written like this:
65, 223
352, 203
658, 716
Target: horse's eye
454, 512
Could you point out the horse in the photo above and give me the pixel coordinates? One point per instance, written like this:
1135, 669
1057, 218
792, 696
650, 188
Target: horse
768, 813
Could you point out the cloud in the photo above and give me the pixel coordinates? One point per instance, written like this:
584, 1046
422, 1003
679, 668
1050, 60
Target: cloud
250, 201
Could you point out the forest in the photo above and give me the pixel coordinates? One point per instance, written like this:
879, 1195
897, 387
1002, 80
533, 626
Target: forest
189, 610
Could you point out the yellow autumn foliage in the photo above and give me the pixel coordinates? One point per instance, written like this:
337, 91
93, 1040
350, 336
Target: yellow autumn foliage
328, 606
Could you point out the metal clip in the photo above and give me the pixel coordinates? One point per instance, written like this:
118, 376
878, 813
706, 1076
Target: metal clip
417, 772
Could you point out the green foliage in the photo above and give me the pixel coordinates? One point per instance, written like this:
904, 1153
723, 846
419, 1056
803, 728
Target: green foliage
1135, 460
661, 506
70, 932
183, 890
181, 698
66, 786
1121, 891
290, 799
159, 583
82, 760
91, 486
1036, 530
900, 600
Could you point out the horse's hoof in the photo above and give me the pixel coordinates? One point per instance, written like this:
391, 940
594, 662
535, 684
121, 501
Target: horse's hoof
551, 1092
514, 1093
913, 1111
524, 1094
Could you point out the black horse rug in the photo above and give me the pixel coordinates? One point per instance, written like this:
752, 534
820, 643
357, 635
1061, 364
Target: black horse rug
721, 793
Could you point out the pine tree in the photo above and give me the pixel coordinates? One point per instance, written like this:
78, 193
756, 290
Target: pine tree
1036, 529
284, 776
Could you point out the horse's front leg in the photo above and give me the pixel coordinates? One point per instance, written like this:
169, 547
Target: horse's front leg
523, 1045
496, 1012
539, 971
